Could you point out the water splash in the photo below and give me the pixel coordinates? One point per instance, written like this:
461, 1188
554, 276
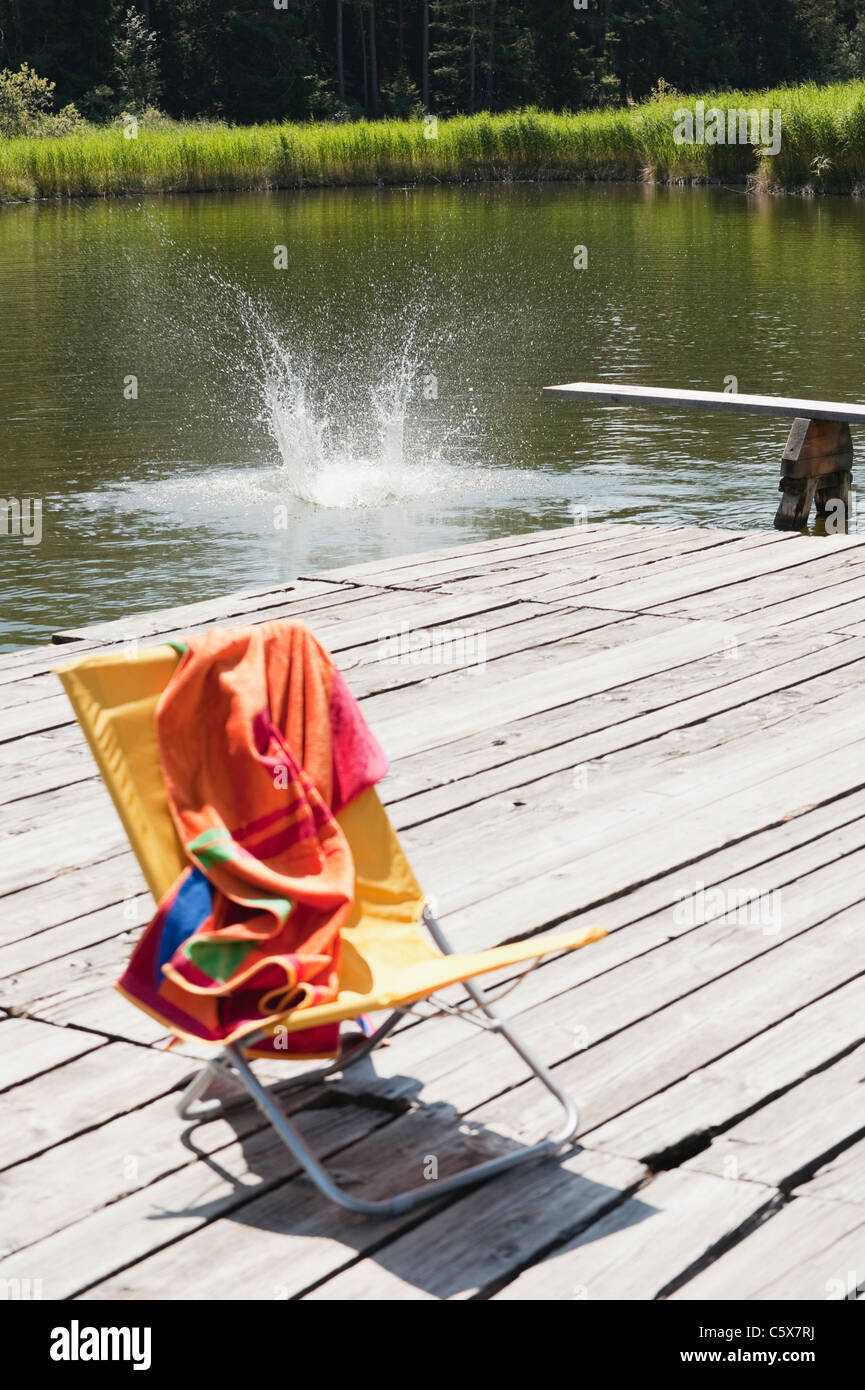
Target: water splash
344, 438
326, 460
325, 399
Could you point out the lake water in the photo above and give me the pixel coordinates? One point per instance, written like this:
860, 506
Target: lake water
197, 419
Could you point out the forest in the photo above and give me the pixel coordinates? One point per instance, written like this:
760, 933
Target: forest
249, 61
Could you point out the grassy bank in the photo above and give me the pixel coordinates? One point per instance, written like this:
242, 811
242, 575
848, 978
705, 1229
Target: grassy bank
822, 149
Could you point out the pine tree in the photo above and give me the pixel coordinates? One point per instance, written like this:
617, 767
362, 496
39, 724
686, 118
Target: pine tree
136, 64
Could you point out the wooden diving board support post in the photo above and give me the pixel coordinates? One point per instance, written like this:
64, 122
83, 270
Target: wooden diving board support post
815, 466
816, 463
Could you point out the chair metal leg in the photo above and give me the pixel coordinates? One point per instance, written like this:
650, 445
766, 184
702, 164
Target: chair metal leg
234, 1062
390, 1206
572, 1111
190, 1107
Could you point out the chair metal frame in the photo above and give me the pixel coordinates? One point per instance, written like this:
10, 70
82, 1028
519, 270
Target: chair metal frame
233, 1064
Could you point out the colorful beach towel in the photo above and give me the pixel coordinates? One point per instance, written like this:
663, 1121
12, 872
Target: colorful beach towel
261, 745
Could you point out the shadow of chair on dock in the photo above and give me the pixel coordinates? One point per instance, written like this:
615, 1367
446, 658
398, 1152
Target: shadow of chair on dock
376, 1145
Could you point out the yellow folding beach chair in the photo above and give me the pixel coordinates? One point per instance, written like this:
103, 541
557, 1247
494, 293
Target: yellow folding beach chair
388, 960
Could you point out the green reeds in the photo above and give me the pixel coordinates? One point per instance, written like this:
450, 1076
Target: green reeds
822, 149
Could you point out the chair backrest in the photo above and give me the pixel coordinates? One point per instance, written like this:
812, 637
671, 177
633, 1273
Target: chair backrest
114, 695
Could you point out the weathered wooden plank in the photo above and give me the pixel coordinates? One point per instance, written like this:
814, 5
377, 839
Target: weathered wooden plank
99, 1008
348, 632
28, 1049
473, 1244
43, 762
831, 618
92, 1090
286, 1237
75, 973
290, 1239
378, 628
713, 1097
665, 908
402, 657
79, 935
646, 1242
65, 896
763, 862
225, 608
133, 1150
20, 720
82, 1252
312, 597
525, 687
570, 594
745, 653
611, 834
842, 1178
50, 834
705, 1024
615, 1059
613, 1047
578, 735
593, 853
22, 659
575, 559
809, 1250
798, 592
578, 578
681, 583
313, 600
589, 533
542, 551
341, 626
792, 1136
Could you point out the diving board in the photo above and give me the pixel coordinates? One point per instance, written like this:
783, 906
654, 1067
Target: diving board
818, 457
619, 394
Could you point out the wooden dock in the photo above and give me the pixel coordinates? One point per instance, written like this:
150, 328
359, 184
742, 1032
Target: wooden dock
657, 729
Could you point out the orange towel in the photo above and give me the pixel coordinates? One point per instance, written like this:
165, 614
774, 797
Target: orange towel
260, 742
